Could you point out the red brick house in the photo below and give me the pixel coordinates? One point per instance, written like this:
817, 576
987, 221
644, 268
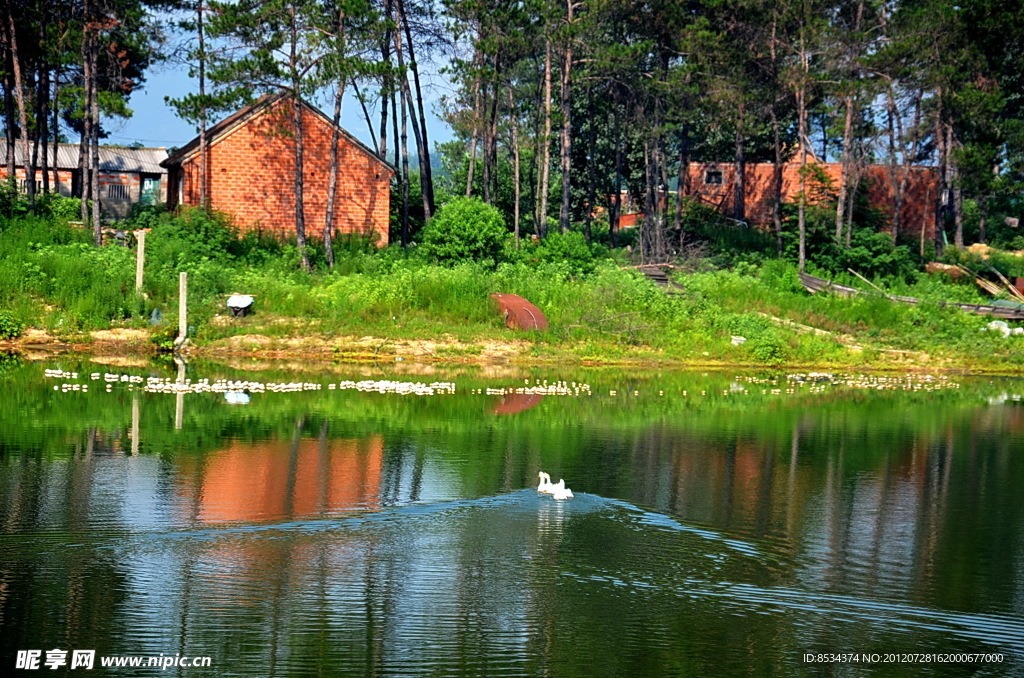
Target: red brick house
127, 175
713, 183
251, 173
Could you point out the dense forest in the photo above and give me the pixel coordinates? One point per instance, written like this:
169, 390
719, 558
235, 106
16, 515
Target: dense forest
562, 109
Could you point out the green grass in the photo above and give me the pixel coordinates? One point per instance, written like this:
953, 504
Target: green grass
52, 277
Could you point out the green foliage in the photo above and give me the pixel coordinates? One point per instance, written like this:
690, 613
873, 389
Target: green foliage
1008, 264
466, 229
870, 253
47, 260
781, 275
60, 207
12, 203
570, 250
10, 327
726, 241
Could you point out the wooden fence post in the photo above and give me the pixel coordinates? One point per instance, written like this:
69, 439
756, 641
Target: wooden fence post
182, 310
140, 261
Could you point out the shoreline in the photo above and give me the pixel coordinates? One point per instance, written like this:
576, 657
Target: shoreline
134, 347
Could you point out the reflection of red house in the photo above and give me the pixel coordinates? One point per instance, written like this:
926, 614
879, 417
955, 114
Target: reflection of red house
251, 482
251, 170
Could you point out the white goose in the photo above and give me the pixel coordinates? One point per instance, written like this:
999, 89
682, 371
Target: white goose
560, 491
544, 486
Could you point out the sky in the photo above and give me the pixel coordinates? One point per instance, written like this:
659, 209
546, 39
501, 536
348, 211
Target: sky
155, 124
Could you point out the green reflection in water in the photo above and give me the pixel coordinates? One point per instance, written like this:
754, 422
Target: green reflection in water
717, 529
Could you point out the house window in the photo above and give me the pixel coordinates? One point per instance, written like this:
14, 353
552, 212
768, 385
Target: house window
118, 192
713, 177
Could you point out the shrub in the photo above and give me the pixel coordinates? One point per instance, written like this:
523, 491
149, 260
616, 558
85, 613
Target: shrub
60, 207
567, 249
10, 328
466, 229
769, 349
11, 201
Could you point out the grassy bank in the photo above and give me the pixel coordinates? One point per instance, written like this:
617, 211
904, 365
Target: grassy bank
398, 304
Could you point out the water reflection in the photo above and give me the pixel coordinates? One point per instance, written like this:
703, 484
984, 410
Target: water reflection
356, 534
275, 480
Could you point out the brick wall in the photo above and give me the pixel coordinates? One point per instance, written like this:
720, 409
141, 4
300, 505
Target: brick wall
62, 178
118, 190
918, 204
252, 177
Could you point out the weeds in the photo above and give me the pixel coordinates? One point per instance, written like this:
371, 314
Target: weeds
51, 276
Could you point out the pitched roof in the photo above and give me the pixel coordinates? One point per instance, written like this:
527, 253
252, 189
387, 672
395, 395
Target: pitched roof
239, 118
112, 158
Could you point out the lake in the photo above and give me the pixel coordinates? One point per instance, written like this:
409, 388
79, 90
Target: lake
296, 520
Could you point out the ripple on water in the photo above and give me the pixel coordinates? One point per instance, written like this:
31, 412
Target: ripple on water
487, 586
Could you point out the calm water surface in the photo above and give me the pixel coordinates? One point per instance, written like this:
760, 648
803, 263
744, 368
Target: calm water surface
723, 524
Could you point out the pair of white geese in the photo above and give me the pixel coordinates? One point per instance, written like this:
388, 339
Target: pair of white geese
556, 490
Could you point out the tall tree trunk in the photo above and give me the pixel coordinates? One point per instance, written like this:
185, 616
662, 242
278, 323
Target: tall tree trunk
55, 125
492, 134
943, 198
84, 181
739, 211
615, 210
94, 134
802, 201
366, 115
426, 171
776, 136
43, 122
515, 166
204, 172
84, 158
652, 218
777, 167
958, 194
546, 140
683, 178
404, 142
591, 168
982, 216
891, 114
909, 156
297, 116
851, 195
19, 97
477, 115
332, 179
564, 213
488, 141
9, 115
418, 134
845, 166
386, 84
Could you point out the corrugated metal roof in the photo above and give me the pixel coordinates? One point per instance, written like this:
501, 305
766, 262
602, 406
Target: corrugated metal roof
112, 158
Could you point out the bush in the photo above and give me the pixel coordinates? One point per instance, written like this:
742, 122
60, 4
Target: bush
12, 203
567, 249
60, 207
870, 253
466, 229
769, 349
10, 328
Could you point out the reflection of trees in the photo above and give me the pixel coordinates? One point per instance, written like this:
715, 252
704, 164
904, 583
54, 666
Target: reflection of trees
918, 504
54, 590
